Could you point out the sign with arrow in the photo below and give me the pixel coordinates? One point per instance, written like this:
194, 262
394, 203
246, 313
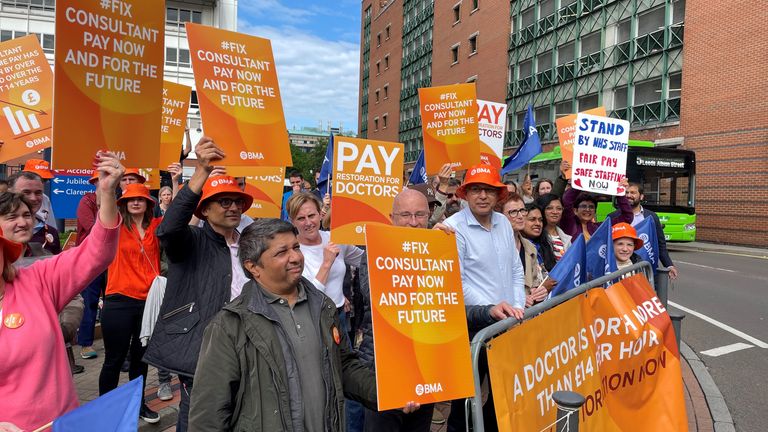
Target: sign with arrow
26, 98
67, 188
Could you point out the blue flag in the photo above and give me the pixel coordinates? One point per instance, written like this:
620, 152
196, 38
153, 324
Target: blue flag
571, 270
116, 411
326, 171
419, 173
600, 259
529, 148
646, 230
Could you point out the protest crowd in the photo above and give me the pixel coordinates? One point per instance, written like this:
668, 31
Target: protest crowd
267, 323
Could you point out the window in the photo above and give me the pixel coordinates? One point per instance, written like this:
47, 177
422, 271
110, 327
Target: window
678, 11
454, 54
177, 17
565, 53
384, 121
386, 91
473, 44
623, 30
526, 17
377, 95
542, 115
650, 21
457, 13
47, 5
525, 69
376, 123
563, 108
46, 40
544, 62
378, 68
620, 97
386, 62
176, 57
546, 8
520, 119
675, 85
387, 32
588, 102
647, 92
590, 43
472, 79
475, 5
194, 104
378, 39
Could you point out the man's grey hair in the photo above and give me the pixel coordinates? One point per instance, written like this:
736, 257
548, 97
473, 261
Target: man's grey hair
256, 237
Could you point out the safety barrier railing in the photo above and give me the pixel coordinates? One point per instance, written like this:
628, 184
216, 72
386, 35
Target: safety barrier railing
475, 404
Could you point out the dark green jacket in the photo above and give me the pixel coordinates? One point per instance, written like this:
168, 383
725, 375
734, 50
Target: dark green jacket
247, 378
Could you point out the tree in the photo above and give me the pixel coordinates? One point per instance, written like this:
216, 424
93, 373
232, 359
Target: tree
308, 162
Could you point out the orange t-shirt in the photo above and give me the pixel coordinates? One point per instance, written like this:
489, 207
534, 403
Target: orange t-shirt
131, 274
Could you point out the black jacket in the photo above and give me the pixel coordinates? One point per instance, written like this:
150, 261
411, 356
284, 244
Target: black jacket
664, 258
199, 279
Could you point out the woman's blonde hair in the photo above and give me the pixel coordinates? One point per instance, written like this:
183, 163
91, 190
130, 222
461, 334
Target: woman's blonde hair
299, 199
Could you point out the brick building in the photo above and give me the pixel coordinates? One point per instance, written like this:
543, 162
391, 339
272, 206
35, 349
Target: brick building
564, 56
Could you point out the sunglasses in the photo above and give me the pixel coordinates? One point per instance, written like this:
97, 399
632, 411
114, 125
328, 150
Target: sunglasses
227, 202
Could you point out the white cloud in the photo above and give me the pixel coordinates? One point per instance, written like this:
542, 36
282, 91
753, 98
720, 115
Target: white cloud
319, 78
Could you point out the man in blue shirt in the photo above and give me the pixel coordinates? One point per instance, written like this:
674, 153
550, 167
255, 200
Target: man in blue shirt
297, 182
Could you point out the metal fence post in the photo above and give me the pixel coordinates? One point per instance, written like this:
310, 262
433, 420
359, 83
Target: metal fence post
568, 404
662, 285
677, 324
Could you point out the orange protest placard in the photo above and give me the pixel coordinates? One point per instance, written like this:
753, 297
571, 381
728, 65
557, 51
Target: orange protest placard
367, 175
153, 177
449, 126
239, 96
566, 133
265, 185
616, 347
26, 98
108, 90
175, 108
419, 323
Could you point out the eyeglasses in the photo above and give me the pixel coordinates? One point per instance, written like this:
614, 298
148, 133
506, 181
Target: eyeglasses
417, 215
227, 202
518, 212
586, 207
477, 189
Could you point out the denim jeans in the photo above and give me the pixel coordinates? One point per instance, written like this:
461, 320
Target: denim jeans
91, 295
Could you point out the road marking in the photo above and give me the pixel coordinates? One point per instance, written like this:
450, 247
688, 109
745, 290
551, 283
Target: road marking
717, 352
725, 327
708, 267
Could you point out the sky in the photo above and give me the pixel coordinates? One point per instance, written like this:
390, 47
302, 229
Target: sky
316, 45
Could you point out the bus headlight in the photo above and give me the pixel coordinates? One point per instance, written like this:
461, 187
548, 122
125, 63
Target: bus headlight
689, 227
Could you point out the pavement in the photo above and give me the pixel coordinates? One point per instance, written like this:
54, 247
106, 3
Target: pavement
718, 248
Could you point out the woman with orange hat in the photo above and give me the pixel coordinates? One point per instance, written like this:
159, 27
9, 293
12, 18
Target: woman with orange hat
625, 243
129, 278
35, 379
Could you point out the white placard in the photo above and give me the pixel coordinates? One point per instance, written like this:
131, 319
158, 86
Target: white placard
600, 154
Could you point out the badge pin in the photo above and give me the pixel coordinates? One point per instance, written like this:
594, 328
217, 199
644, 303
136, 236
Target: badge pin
336, 335
16, 320
49, 238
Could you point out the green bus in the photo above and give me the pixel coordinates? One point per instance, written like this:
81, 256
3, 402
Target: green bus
668, 177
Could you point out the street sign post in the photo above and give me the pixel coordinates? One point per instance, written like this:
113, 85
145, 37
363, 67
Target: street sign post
67, 187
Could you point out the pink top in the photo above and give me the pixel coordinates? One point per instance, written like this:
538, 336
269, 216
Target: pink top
36, 384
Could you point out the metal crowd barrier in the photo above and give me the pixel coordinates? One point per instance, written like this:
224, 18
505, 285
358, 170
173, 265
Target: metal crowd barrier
475, 404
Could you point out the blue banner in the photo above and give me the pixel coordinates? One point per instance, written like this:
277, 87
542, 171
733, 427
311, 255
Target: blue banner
530, 147
646, 230
326, 171
116, 411
419, 173
600, 259
66, 192
571, 270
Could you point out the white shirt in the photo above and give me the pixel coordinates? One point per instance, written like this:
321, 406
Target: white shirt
238, 275
313, 259
638, 217
491, 270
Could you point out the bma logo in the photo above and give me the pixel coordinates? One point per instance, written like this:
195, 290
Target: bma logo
422, 389
577, 275
602, 251
479, 170
423, 174
221, 182
648, 247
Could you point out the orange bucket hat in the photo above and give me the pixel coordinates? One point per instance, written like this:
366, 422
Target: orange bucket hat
483, 174
623, 229
221, 185
135, 171
39, 167
136, 190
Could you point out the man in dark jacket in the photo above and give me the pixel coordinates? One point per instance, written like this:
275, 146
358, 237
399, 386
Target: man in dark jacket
635, 197
275, 358
411, 209
204, 271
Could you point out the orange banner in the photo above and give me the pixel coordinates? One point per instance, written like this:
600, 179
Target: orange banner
153, 177
26, 98
175, 109
367, 175
108, 90
239, 96
449, 126
265, 185
566, 133
616, 347
419, 323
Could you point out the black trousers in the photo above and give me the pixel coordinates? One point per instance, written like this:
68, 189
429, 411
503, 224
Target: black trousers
398, 421
457, 418
120, 328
